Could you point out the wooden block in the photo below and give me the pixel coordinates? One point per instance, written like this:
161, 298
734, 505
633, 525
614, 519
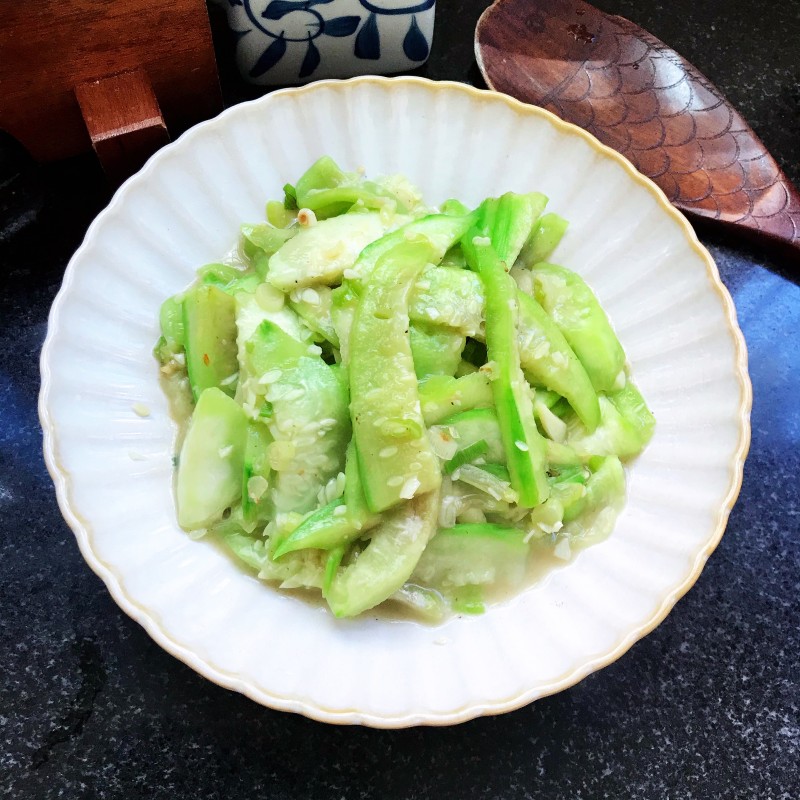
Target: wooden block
123, 120
50, 47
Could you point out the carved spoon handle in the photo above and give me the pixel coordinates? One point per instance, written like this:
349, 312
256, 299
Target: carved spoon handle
640, 97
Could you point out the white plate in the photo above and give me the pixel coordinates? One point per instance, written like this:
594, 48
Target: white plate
112, 468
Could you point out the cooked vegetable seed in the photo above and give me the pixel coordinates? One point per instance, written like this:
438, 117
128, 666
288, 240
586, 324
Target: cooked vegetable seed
391, 403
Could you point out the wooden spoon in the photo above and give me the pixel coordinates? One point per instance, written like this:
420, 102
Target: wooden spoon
638, 96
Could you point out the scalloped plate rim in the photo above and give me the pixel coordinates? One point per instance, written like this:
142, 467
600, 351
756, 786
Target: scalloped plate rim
230, 680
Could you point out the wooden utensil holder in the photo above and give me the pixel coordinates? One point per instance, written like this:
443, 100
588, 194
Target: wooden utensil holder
115, 76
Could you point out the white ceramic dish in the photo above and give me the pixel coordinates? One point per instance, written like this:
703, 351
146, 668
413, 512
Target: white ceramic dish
112, 468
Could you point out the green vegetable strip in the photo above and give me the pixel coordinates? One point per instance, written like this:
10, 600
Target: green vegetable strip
357, 510
473, 554
298, 569
220, 274
209, 320
322, 252
573, 307
449, 297
633, 409
309, 422
323, 530
441, 395
498, 470
344, 301
605, 486
272, 348
248, 549
469, 453
525, 447
327, 528
331, 567
561, 454
484, 479
569, 474
511, 219
395, 455
289, 197
464, 368
424, 603
333, 202
324, 173
476, 424
626, 426
172, 329
548, 398
328, 191
469, 600
454, 208
211, 461
256, 466
546, 235
316, 425
264, 239
171, 319
441, 232
316, 313
388, 560
258, 243
454, 257
490, 529
549, 361
278, 215
436, 351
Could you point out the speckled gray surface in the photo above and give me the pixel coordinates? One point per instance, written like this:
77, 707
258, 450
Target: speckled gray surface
704, 707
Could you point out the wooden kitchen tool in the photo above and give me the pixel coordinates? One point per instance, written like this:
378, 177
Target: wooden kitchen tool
76, 74
638, 96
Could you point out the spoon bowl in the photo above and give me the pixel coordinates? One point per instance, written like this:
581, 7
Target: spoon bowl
635, 94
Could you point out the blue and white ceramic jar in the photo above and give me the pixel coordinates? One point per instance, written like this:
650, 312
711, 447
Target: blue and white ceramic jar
296, 41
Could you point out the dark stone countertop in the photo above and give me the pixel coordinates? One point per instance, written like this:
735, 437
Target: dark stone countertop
704, 707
